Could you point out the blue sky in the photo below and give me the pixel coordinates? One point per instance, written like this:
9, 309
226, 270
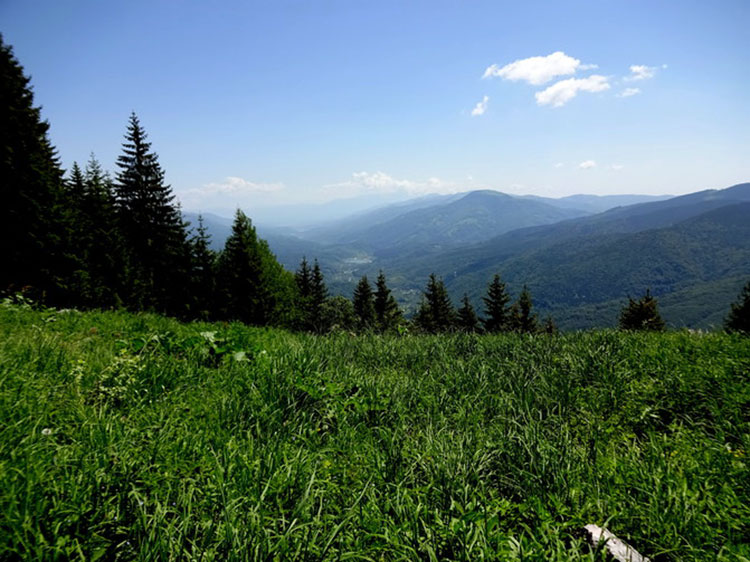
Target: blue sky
261, 103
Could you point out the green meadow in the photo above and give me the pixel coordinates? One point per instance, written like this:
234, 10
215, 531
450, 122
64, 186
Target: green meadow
136, 437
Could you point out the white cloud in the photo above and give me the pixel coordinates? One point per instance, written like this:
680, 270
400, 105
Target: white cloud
627, 92
640, 72
587, 164
380, 182
537, 70
239, 186
481, 107
560, 93
617, 167
233, 191
559, 165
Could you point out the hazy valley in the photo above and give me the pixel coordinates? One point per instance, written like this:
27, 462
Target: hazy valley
374, 281
581, 256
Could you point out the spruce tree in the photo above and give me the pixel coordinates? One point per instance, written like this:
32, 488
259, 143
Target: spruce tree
467, 318
303, 278
522, 319
105, 246
75, 187
436, 313
497, 314
34, 222
642, 314
252, 286
387, 312
83, 286
318, 297
303, 282
364, 306
152, 227
738, 319
203, 280
94, 236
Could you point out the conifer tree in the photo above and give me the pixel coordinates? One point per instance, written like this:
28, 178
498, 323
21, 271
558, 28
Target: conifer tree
94, 236
364, 306
75, 187
34, 222
436, 313
467, 318
497, 314
203, 281
318, 296
738, 319
303, 278
105, 246
152, 227
81, 286
303, 282
252, 286
387, 312
642, 314
522, 319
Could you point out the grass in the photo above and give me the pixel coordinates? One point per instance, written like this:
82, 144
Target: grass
135, 437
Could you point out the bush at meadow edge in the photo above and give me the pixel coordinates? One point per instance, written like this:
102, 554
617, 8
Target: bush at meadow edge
136, 437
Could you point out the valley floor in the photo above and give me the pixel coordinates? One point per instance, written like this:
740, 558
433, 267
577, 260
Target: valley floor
135, 437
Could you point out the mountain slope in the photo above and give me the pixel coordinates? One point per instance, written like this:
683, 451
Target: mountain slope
289, 250
597, 269
477, 216
598, 203
343, 230
693, 251
621, 220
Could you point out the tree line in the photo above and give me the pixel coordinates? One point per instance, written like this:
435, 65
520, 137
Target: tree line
95, 240
91, 239
436, 313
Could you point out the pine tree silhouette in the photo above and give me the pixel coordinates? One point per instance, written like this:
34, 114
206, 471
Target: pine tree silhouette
153, 230
642, 314
738, 319
364, 305
497, 313
467, 318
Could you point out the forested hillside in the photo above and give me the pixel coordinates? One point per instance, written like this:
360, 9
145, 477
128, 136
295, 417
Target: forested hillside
94, 239
710, 248
583, 264
474, 217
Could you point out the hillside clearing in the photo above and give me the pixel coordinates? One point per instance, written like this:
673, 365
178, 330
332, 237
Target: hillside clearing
136, 437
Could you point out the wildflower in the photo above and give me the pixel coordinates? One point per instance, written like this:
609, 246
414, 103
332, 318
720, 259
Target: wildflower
46, 431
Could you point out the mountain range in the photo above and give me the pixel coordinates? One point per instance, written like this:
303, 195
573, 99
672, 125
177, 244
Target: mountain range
581, 256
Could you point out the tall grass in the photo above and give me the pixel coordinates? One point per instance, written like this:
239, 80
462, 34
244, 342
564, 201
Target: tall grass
134, 437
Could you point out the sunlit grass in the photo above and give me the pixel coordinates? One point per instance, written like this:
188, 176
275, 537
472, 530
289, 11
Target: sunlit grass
136, 437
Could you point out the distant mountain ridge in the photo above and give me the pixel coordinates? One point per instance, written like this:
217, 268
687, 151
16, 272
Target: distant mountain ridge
454, 221
669, 246
350, 228
598, 203
287, 248
693, 251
